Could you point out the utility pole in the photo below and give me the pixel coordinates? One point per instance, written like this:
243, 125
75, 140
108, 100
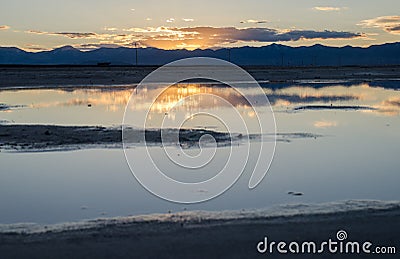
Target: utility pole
136, 50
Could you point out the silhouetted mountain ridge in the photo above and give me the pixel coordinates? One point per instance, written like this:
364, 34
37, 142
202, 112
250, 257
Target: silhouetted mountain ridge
271, 55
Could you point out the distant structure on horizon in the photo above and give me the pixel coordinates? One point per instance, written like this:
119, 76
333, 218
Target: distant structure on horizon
271, 55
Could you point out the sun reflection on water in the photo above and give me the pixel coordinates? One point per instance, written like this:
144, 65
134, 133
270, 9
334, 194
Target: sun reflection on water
84, 106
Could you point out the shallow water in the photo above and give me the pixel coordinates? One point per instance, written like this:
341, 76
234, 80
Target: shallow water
356, 157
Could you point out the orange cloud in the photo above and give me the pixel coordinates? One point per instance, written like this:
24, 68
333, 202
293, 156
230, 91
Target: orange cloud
328, 8
199, 37
206, 37
389, 24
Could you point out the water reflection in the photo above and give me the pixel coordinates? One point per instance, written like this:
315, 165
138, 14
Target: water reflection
325, 124
390, 106
111, 100
106, 106
358, 153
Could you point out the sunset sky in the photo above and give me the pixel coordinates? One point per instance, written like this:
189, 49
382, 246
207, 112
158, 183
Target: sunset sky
47, 24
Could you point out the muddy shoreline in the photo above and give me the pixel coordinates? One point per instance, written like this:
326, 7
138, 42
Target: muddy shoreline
37, 137
86, 76
232, 238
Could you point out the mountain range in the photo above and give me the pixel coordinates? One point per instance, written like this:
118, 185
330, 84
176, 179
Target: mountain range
271, 55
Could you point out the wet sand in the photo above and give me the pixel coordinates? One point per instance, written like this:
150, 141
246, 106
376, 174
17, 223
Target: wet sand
231, 238
48, 137
20, 137
42, 76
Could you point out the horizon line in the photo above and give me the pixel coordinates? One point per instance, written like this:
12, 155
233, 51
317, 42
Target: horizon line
192, 50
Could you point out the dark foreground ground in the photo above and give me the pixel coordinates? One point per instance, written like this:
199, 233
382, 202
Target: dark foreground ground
210, 239
52, 137
37, 76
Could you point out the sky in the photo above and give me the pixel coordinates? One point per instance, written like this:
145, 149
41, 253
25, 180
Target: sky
176, 24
